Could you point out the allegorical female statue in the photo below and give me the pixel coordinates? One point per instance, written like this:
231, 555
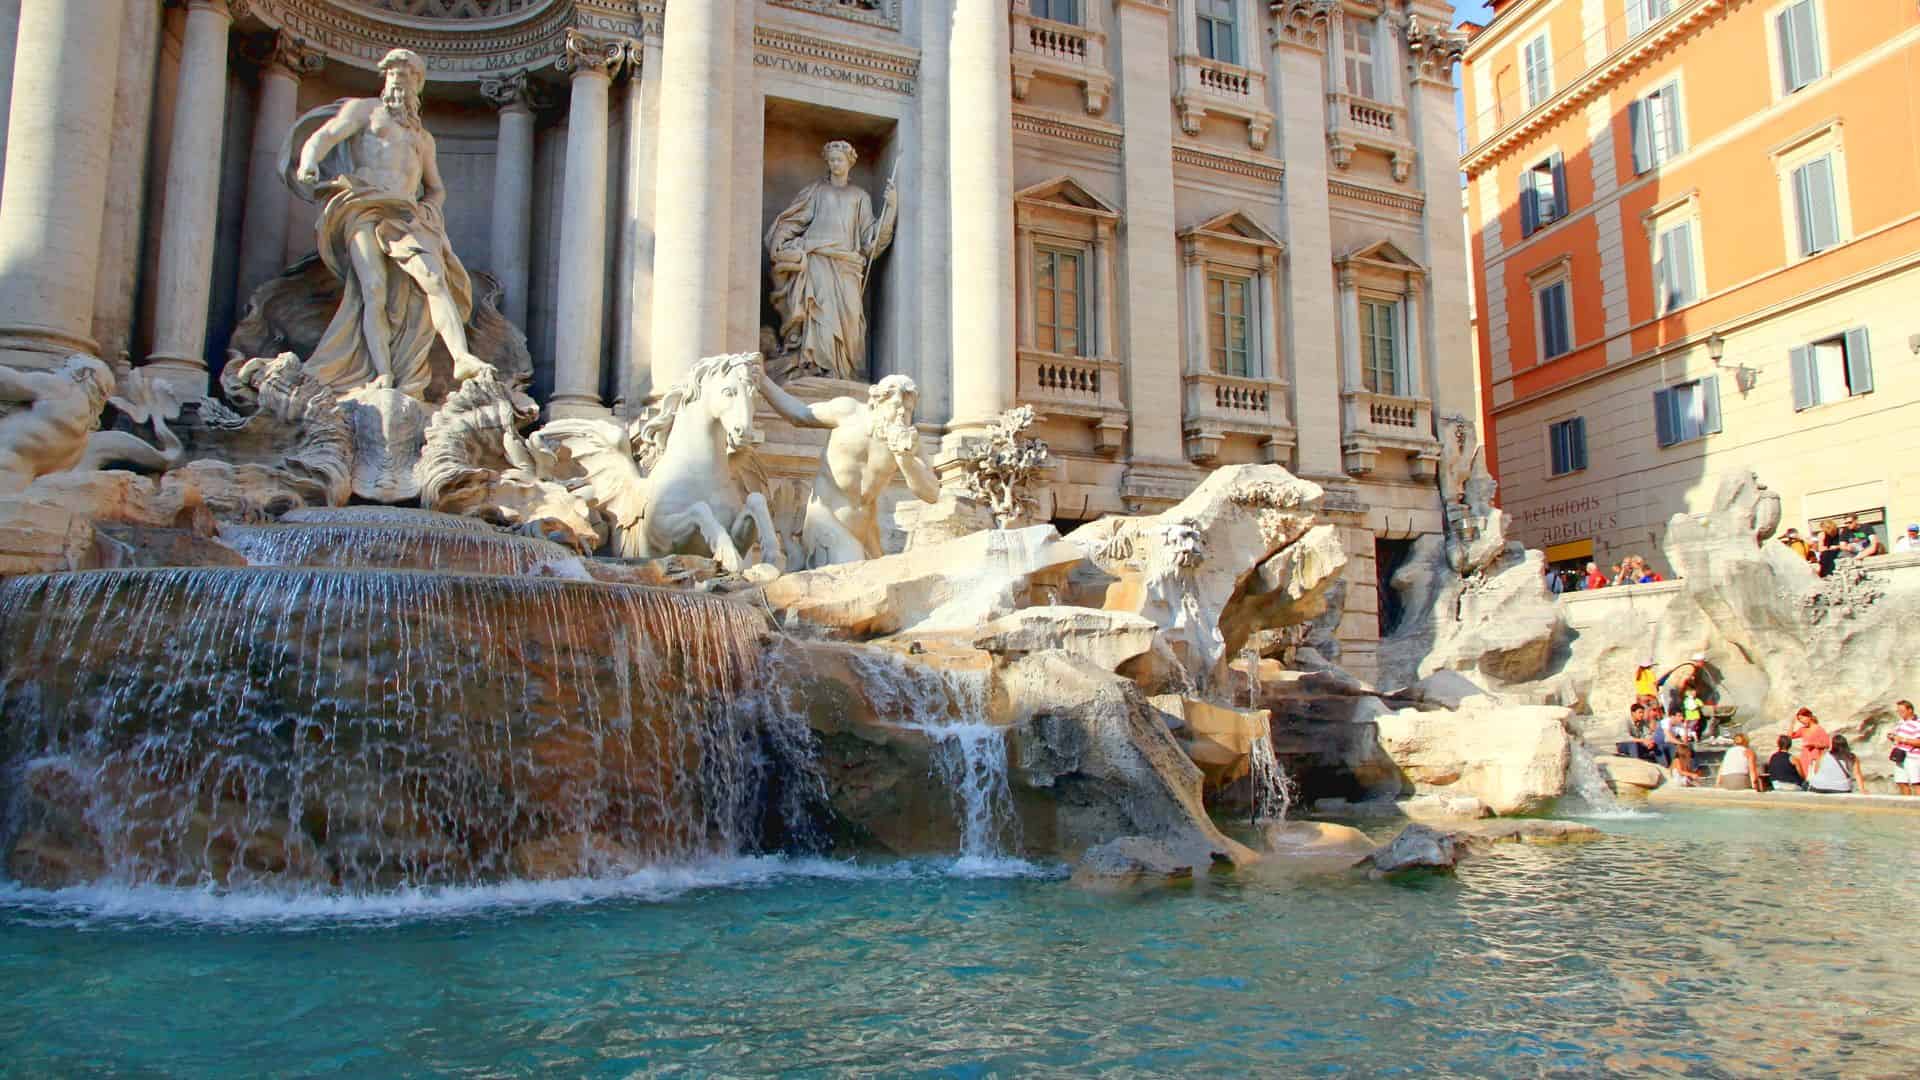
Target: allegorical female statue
822, 249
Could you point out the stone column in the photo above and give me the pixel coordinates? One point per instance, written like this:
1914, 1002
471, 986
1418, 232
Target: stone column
9, 40
1199, 358
1100, 294
1152, 267
1267, 288
581, 312
185, 280
283, 60
1416, 346
980, 195
60, 132
1310, 343
693, 193
124, 230
633, 298
514, 94
1454, 383
1350, 331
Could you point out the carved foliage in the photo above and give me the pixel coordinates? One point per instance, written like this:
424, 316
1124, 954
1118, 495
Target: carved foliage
997, 469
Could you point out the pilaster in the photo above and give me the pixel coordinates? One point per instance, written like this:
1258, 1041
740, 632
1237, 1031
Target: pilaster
581, 312
283, 60
694, 188
126, 216
515, 95
1150, 263
980, 193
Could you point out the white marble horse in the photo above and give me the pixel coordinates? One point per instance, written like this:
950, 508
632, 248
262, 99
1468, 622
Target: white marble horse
684, 495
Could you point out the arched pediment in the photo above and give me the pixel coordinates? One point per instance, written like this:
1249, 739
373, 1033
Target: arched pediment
460, 40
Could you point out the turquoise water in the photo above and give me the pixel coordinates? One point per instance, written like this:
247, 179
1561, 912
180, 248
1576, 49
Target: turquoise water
1709, 943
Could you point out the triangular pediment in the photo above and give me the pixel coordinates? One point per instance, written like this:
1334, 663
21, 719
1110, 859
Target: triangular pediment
1236, 225
1066, 192
1384, 251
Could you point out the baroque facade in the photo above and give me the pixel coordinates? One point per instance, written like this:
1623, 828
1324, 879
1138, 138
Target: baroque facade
1695, 251
1187, 233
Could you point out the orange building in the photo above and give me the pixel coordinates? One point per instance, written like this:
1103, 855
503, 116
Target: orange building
1696, 248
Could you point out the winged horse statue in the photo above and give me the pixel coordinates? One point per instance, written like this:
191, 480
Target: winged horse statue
668, 482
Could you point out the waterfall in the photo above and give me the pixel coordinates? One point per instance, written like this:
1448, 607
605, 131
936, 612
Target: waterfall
367, 729
402, 545
1273, 789
970, 752
1586, 784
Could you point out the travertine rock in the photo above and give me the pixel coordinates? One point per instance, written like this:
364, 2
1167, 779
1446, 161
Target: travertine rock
1501, 625
1417, 847
1628, 773
958, 585
1218, 739
1108, 639
1132, 858
1513, 758
1315, 838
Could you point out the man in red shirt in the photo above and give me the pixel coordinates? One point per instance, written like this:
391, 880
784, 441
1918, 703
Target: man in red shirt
1594, 579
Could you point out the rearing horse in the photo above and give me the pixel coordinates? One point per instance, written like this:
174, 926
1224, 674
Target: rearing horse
690, 502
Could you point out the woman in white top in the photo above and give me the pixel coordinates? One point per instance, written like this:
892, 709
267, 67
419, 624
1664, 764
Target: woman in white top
1838, 771
1739, 769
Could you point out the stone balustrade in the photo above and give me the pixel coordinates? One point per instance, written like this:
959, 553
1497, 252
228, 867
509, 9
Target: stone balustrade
1082, 387
1213, 86
1073, 54
1375, 422
1218, 406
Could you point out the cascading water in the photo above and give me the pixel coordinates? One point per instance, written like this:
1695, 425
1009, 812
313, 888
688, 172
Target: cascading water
391, 546
1589, 788
951, 707
1273, 789
370, 728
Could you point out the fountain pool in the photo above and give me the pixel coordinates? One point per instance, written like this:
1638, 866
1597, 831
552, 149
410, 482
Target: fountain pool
1712, 943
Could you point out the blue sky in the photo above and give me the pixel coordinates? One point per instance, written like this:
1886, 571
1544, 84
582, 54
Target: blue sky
1468, 9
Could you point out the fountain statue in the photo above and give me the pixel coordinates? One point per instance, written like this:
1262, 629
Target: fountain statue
684, 492
54, 423
871, 441
383, 232
822, 249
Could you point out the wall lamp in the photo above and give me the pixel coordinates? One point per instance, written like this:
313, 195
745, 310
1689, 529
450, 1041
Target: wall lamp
1744, 377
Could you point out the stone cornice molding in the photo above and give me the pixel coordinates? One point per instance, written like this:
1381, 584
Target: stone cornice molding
1412, 204
1302, 23
1159, 7
515, 90
1593, 82
882, 13
833, 61
1054, 126
1267, 172
457, 49
583, 54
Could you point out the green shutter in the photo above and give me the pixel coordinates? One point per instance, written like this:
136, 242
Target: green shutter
1800, 360
1578, 439
1710, 405
1641, 132
1663, 421
1859, 362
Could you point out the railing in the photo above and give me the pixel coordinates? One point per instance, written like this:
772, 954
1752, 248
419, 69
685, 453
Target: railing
1235, 403
1058, 41
1392, 416
1061, 50
1085, 385
1222, 80
1372, 116
1370, 122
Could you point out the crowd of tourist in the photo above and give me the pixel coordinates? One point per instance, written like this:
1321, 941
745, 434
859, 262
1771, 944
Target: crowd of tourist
1673, 714
1831, 541
1632, 570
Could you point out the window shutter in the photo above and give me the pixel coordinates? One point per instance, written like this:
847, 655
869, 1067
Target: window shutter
1710, 405
1559, 187
1642, 136
1823, 213
1577, 443
1806, 44
1529, 205
1676, 127
1801, 357
1662, 274
1680, 264
1636, 17
1859, 362
1663, 425
1783, 26
1804, 205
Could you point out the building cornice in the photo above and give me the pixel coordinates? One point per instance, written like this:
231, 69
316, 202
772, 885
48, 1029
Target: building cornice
1074, 130
787, 50
1593, 82
1267, 172
1396, 200
456, 50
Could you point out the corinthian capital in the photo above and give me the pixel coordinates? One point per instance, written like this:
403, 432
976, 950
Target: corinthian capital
291, 55
514, 89
1432, 48
1302, 23
585, 54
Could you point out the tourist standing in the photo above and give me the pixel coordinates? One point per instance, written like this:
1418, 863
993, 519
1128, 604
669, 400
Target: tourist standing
1813, 739
1644, 682
1906, 749
1827, 547
1594, 579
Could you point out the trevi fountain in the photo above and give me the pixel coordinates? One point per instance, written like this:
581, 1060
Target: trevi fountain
360, 719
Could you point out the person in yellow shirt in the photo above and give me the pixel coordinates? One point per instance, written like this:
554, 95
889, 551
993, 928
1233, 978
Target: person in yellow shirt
1644, 683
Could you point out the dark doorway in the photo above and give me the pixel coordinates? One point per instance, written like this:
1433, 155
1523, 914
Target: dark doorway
1388, 557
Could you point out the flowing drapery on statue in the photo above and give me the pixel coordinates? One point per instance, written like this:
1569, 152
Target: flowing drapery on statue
822, 249
382, 231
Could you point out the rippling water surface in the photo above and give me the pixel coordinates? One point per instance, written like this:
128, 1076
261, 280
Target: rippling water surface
1712, 943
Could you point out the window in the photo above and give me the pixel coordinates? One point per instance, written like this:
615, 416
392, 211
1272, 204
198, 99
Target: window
1674, 284
1059, 301
1534, 62
1832, 370
1380, 346
1556, 320
1815, 208
1799, 39
1688, 411
1567, 441
1360, 36
1543, 194
1229, 322
1065, 11
1644, 13
1218, 29
1655, 123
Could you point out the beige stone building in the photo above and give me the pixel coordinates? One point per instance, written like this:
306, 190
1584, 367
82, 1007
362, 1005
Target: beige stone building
1187, 232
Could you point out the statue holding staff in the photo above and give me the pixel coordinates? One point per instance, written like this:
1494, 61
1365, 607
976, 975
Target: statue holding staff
822, 249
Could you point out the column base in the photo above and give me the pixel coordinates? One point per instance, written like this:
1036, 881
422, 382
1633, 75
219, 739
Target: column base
577, 407
185, 376
41, 349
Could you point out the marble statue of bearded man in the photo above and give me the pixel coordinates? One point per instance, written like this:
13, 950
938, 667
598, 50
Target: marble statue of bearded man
383, 231
822, 248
